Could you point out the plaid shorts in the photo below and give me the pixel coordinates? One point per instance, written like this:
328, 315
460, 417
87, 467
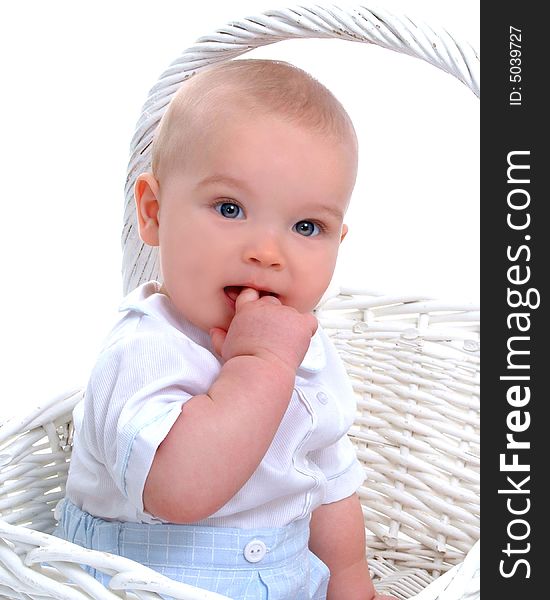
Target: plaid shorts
247, 564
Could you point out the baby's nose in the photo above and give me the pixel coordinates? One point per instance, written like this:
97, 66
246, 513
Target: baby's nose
264, 251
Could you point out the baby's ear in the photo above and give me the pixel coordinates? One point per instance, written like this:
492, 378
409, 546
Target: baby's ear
344, 232
146, 192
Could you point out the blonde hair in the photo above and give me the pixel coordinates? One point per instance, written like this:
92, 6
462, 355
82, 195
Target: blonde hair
254, 86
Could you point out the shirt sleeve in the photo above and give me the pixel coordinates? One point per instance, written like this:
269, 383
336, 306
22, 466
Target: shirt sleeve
343, 471
137, 390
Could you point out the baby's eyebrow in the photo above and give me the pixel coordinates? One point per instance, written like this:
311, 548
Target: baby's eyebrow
332, 211
226, 179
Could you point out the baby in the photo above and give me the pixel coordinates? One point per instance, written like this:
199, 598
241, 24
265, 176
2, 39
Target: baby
211, 443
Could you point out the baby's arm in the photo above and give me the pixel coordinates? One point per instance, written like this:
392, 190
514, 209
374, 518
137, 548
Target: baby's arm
338, 538
220, 437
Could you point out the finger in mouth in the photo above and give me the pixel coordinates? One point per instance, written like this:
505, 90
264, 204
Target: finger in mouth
233, 291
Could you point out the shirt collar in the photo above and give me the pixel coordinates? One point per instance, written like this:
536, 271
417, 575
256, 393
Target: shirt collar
147, 299
315, 358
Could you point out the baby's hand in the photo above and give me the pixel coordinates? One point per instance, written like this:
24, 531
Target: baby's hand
265, 328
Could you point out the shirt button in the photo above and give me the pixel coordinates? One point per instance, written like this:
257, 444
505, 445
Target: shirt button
322, 397
254, 551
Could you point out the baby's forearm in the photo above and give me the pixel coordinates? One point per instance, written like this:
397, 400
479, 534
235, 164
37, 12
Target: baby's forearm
218, 440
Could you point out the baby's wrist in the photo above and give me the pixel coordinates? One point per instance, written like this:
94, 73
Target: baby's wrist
264, 364
277, 362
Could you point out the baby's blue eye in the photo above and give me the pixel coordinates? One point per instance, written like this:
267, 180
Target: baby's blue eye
229, 210
307, 228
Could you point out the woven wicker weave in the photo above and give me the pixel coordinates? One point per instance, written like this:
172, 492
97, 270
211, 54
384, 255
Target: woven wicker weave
414, 364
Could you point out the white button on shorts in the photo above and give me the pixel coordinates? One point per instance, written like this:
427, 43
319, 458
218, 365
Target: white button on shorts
254, 551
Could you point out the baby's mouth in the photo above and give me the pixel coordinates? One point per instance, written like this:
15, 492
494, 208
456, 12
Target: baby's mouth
232, 292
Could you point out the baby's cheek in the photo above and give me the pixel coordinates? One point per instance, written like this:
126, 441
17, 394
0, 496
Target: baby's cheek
309, 299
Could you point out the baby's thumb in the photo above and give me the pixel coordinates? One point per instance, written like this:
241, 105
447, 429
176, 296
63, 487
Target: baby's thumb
218, 336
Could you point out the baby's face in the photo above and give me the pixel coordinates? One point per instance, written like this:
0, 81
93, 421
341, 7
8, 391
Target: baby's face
260, 204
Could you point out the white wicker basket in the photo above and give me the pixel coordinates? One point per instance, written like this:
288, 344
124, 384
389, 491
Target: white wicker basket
414, 364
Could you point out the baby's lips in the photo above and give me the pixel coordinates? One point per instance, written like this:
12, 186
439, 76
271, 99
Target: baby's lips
234, 291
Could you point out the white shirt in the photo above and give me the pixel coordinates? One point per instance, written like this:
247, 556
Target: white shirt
151, 364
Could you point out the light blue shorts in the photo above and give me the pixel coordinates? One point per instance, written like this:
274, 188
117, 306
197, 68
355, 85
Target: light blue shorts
247, 564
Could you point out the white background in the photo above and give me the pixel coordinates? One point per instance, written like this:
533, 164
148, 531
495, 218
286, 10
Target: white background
74, 78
